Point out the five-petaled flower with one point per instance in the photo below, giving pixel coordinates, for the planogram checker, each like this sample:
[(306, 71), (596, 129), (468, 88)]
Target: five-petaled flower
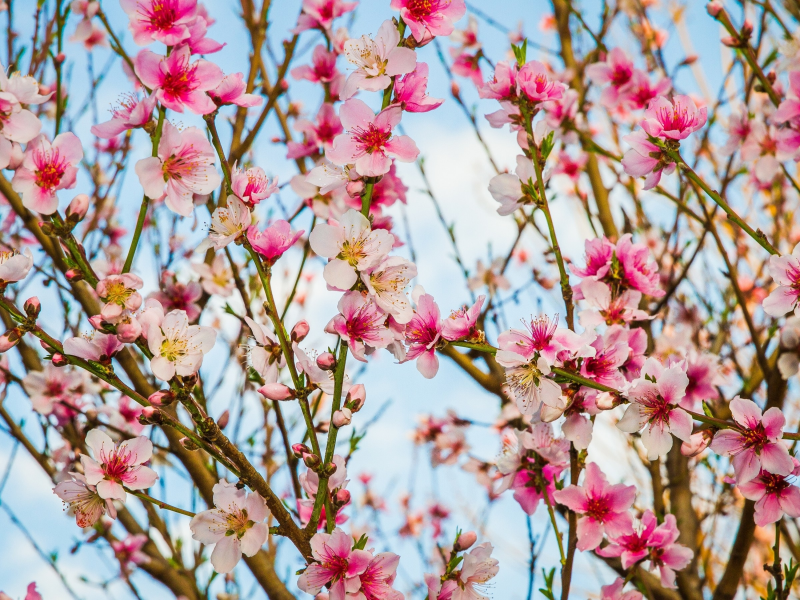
[(178, 348), (46, 169), (337, 564), (115, 466)]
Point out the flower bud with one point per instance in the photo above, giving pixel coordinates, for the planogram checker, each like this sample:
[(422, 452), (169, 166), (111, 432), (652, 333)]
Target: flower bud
[(276, 391), (326, 361), (342, 417), (46, 227), (152, 415), (356, 397), (32, 307), (300, 450), (354, 188), (729, 41), (697, 443), (342, 497), (161, 398), (74, 275), (189, 444), (714, 8), (455, 89), (606, 401), (223, 419), (96, 321), (747, 29), (300, 331), (465, 541), (59, 360), (9, 339), (129, 331), (328, 470), (312, 461), (78, 208)]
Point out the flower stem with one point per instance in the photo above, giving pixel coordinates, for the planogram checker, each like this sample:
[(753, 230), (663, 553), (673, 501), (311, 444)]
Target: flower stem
[(366, 198), (555, 525), (159, 503)]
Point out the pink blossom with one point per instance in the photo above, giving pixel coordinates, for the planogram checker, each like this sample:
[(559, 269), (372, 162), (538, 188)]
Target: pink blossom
[(503, 86), (604, 507), (604, 367), (361, 323), (673, 120), (130, 114), (377, 578), (571, 167), (322, 70), (319, 14), (789, 109), (165, 21), (252, 185), (232, 90), (620, 310), (119, 294), (129, 551), (14, 265), (639, 161), (599, 254), (766, 147), (612, 76), (387, 282), (197, 41), (184, 167), (369, 143), (322, 133), (18, 124), (774, 496), (467, 38), (467, 65), (55, 390), (654, 404), (46, 169), (430, 18), (739, 127), (536, 82), (100, 347), (83, 500), (703, 371), (544, 338), (614, 592), (640, 91), (235, 525), (785, 270), (462, 323), (116, 465), (422, 333), (377, 60), (478, 568), (177, 347), (410, 91), (757, 444), (216, 278), (177, 83), (514, 191), (336, 564), (175, 295), (266, 356), (228, 223)]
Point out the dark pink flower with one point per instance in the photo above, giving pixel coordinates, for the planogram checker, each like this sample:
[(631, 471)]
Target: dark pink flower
[(645, 159), (322, 69), (430, 18), (129, 551), (361, 323), (165, 21), (274, 241), (544, 338), (614, 592), (461, 323), (252, 185), (422, 334), (319, 14), (604, 366), (175, 295), (774, 496), (503, 86), (410, 91), (467, 65), (640, 273), (231, 90), (316, 134), (785, 270), (537, 83), (673, 120), (336, 563), (116, 465), (612, 76), (639, 91), (131, 113)]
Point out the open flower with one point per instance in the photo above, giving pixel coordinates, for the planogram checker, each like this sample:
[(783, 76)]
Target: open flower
[(14, 266), (164, 21), (130, 114), (100, 347), (604, 507), (216, 278), (368, 142), (274, 241), (758, 444), (235, 525), (252, 185), (266, 355), (613, 76), (537, 83), (614, 591), (422, 334), (604, 309), (319, 14), (410, 91), (785, 270), (387, 282), (774, 496), (461, 323), (228, 223), (352, 245), (361, 323), (336, 563), (119, 294), (184, 167), (513, 191), (177, 347), (232, 90), (674, 120), (176, 82), (377, 60), (114, 466), (83, 500), (46, 169), (430, 18), (645, 159)]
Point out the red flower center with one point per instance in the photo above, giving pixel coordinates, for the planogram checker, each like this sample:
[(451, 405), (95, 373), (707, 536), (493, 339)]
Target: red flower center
[(51, 171), (116, 465), (774, 484), (371, 139), (597, 508), (180, 83), (163, 15), (420, 9)]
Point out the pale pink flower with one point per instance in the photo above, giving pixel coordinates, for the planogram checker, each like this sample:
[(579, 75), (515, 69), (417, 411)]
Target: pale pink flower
[(528, 382), (410, 91), (115, 466), (515, 191), (604, 508), (757, 444), (477, 569), (614, 591), (119, 294), (321, 70), (674, 120), (537, 83), (785, 270), (387, 282), (15, 266), (266, 356), (177, 83), (184, 167), (612, 76), (639, 161), (640, 91), (503, 86), (175, 295), (319, 14), (53, 387), (46, 169), (314, 374), (377, 60), (24, 88), (466, 38), (336, 563), (228, 223), (129, 551), (544, 338), (765, 148), (490, 276), (377, 578), (461, 323), (352, 246), (252, 185), (316, 134), (131, 113), (216, 278), (100, 347), (620, 310), (232, 90), (83, 501), (738, 128), (369, 143), (654, 405), (177, 347), (164, 21), (422, 333), (774, 496), (430, 18), (789, 109), (17, 124), (235, 525), (274, 241), (361, 323)]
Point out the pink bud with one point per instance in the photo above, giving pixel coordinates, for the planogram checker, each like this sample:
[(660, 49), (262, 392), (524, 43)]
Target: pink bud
[(312, 461), (73, 275), (342, 497), (189, 444), (60, 58), (32, 307), (223, 419), (326, 361), (354, 188), (149, 411), (96, 321), (9, 339), (300, 331), (342, 417), (300, 450), (455, 89), (465, 540), (606, 401), (276, 391), (78, 208), (59, 360), (161, 398), (729, 41), (714, 8), (747, 28), (697, 443), (356, 397), (129, 331)]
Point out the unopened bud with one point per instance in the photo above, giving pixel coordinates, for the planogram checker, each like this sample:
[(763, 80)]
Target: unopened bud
[(59, 360), (697, 443), (129, 331), (46, 227), (355, 188), (9, 339), (729, 41), (714, 8), (152, 415), (607, 401), (300, 331), (312, 461), (78, 208), (328, 470), (73, 275), (276, 391), (32, 307), (161, 398), (189, 444), (300, 450), (455, 89), (97, 322), (326, 361), (747, 29), (60, 58), (342, 417), (356, 397), (342, 497), (465, 541), (223, 419)]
